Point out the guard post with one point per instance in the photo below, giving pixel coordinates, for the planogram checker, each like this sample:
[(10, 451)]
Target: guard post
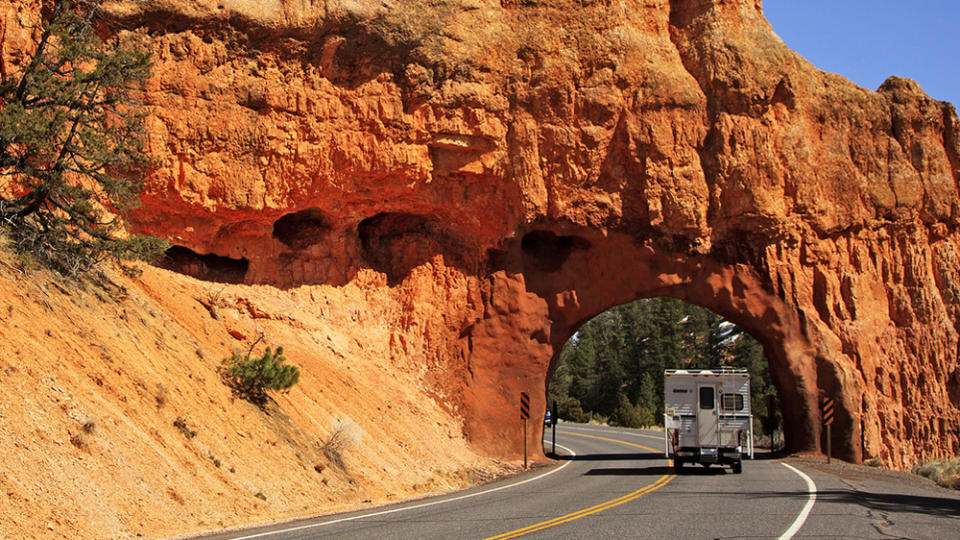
[(524, 415), (553, 425), (827, 411)]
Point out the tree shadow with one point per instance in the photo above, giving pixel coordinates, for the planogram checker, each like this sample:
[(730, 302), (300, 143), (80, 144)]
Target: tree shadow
[(613, 457), (881, 502), (630, 471), (892, 502)]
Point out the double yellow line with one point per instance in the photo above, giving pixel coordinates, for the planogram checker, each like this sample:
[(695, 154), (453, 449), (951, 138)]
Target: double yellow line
[(662, 481)]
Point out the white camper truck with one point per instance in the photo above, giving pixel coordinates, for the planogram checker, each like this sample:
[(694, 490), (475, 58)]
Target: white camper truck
[(707, 416)]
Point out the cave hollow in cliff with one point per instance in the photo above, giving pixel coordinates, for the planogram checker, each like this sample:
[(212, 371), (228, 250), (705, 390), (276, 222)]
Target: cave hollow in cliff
[(300, 230), (208, 267), (396, 242)]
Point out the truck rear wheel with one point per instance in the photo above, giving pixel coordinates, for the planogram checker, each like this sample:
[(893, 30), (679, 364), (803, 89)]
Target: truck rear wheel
[(738, 467)]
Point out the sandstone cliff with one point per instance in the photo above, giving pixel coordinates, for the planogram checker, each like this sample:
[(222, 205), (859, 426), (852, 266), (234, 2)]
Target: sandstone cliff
[(591, 153), (556, 158)]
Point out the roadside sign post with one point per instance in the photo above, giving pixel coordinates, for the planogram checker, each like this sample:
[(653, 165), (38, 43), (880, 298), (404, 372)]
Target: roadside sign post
[(524, 415), (827, 409), (769, 424), (553, 424)]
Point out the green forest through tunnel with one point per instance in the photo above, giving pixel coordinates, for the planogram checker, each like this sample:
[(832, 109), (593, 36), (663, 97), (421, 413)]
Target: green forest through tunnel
[(611, 369)]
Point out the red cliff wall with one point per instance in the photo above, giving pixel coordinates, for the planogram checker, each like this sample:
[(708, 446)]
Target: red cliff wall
[(562, 158)]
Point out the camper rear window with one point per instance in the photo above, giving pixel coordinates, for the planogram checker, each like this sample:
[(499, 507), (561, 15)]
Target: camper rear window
[(732, 402)]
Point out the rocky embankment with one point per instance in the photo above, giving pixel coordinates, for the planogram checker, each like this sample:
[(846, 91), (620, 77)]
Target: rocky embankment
[(114, 422)]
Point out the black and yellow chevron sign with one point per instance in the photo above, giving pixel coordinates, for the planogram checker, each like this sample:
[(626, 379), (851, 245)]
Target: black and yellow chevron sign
[(524, 405), (827, 409)]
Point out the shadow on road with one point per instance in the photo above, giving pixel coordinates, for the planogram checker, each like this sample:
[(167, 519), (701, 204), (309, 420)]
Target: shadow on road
[(630, 471), (884, 502), (610, 457), (657, 471), (700, 470)]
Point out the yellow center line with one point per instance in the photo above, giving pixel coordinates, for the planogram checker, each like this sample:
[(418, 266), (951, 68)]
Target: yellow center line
[(659, 483)]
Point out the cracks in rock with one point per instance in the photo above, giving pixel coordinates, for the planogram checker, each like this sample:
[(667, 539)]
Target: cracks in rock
[(879, 519), (900, 133), (951, 139), (682, 14)]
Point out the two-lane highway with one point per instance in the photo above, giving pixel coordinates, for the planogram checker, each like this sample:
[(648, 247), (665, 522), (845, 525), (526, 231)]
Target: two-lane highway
[(615, 483)]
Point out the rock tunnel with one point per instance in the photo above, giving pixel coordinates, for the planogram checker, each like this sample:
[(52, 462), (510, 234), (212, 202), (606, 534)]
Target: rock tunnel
[(550, 283), (561, 280)]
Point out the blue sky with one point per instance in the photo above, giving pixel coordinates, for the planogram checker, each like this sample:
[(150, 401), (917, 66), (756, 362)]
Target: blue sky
[(867, 41)]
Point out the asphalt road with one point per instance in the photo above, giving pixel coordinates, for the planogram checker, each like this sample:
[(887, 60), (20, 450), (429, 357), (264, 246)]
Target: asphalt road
[(615, 483)]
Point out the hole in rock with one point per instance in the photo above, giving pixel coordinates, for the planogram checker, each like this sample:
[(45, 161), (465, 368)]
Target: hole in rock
[(547, 252), (209, 267), (497, 259), (303, 229), (612, 368), (396, 242)]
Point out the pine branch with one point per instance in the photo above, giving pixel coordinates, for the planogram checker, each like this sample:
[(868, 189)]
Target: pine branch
[(68, 138)]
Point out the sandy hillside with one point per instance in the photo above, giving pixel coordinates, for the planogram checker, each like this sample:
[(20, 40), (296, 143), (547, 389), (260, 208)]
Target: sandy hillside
[(114, 422)]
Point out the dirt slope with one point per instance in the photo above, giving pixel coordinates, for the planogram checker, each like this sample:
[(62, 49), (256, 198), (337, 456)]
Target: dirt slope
[(95, 377)]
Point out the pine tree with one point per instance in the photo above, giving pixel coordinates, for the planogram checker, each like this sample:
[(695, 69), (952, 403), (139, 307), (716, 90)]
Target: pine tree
[(71, 144), (251, 377), (625, 413), (649, 402)]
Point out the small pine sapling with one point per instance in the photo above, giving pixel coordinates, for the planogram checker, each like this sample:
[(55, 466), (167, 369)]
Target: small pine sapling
[(251, 377)]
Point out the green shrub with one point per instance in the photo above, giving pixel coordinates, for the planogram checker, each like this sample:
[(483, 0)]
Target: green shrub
[(251, 377), (571, 410)]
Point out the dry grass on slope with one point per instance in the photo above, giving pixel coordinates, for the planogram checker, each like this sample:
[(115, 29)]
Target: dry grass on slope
[(114, 422), (945, 472)]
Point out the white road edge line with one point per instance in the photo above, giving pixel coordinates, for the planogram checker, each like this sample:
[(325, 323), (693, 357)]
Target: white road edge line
[(405, 508), (802, 517)]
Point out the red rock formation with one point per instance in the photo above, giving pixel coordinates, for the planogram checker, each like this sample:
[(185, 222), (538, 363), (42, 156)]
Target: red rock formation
[(563, 158)]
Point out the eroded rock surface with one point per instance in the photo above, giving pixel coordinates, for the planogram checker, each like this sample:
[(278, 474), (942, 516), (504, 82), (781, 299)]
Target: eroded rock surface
[(559, 158)]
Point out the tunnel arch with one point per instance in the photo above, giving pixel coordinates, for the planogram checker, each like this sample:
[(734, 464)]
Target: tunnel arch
[(607, 269), (734, 297)]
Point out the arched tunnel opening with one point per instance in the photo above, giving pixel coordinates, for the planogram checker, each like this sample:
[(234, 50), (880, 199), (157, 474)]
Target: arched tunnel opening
[(611, 371)]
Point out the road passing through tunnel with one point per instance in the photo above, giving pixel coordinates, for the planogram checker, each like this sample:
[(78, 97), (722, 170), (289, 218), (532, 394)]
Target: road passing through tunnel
[(616, 483)]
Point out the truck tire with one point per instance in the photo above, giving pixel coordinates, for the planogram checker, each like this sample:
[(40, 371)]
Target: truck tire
[(738, 467), (677, 466)]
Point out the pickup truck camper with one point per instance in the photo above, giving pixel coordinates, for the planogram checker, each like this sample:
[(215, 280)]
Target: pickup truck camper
[(707, 417)]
